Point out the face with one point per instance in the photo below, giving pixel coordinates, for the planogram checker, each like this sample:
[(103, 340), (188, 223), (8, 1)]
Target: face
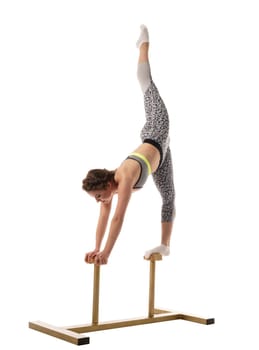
[(104, 196)]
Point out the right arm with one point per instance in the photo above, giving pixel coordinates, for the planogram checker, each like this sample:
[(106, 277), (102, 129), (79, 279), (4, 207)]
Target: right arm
[(105, 209)]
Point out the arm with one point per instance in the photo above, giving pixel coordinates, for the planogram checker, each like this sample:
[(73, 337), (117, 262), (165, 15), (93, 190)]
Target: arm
[(124, 194), (105, 209)]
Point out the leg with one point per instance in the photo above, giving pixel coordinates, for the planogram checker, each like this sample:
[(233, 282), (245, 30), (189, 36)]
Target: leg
[(163, 179), (143, 71), (156, 129), (143, 37)]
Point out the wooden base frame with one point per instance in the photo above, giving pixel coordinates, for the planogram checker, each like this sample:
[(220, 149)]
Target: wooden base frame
[(78, 334)]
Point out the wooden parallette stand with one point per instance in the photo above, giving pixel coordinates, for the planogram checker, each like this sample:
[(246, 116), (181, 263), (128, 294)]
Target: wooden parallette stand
[(78, 334)]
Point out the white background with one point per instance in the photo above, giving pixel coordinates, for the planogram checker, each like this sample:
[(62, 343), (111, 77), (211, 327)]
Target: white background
[(70, 101)]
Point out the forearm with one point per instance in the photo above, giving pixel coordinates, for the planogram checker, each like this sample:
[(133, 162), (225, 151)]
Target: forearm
[(101, 226), (115, 229), (124, 193), (99, 238)]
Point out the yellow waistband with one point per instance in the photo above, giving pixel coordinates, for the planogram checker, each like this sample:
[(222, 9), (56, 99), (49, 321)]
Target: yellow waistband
[(144, 159)]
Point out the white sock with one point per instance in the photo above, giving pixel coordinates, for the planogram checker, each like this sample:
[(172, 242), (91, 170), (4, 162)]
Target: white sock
[(143, 37), (162, 249)]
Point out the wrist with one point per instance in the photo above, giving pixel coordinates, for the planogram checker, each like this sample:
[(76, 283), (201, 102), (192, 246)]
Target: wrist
[(107, 251), (97, 246)]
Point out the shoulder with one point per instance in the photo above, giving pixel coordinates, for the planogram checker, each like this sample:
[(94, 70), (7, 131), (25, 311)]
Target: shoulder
[(124, 172)]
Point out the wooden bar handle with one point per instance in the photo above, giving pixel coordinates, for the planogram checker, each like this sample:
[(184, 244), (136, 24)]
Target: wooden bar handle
[(154, 257)]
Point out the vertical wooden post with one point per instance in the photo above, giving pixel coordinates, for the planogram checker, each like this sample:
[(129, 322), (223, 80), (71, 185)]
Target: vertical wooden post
[(151, 304), (95, 316), (152, 274)]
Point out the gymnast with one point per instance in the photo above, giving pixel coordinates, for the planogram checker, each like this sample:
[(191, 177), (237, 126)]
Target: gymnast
[(153, 156)]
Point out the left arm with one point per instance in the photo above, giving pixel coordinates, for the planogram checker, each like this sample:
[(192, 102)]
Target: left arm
[(124, 194)]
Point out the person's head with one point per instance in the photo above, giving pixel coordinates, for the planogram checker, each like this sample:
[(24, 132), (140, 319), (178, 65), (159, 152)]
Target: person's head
[(100, 184)]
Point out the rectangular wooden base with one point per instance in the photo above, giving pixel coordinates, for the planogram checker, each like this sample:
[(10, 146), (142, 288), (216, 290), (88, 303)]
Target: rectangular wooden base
[(59, 332), (76, 334)]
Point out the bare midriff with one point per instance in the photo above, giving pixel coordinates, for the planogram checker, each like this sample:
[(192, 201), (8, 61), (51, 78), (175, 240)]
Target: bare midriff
[(151, 153)]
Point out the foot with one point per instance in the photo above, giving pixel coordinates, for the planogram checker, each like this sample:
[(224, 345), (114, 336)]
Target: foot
[(143, 37), (162, 249)]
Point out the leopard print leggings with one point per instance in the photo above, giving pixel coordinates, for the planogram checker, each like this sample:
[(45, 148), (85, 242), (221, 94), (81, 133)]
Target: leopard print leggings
[(156, 130)]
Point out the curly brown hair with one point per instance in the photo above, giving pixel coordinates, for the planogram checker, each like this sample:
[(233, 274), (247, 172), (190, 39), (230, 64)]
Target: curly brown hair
[(98, 179)]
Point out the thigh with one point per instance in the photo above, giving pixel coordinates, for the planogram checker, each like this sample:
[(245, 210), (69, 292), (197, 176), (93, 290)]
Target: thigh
[(163, 178), (156, 127)]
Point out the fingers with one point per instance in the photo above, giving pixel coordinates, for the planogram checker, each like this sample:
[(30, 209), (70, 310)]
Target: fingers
[(100, 259), (89, 257)]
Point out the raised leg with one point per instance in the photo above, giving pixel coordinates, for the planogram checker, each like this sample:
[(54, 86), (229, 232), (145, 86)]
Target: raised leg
[(143, 71)]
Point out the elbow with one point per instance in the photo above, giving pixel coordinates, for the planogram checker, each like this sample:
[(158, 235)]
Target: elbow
[(117, 219), (117, 222)]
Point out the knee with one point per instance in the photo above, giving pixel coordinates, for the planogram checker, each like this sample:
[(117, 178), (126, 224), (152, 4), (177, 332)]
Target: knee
[(168, 212)]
